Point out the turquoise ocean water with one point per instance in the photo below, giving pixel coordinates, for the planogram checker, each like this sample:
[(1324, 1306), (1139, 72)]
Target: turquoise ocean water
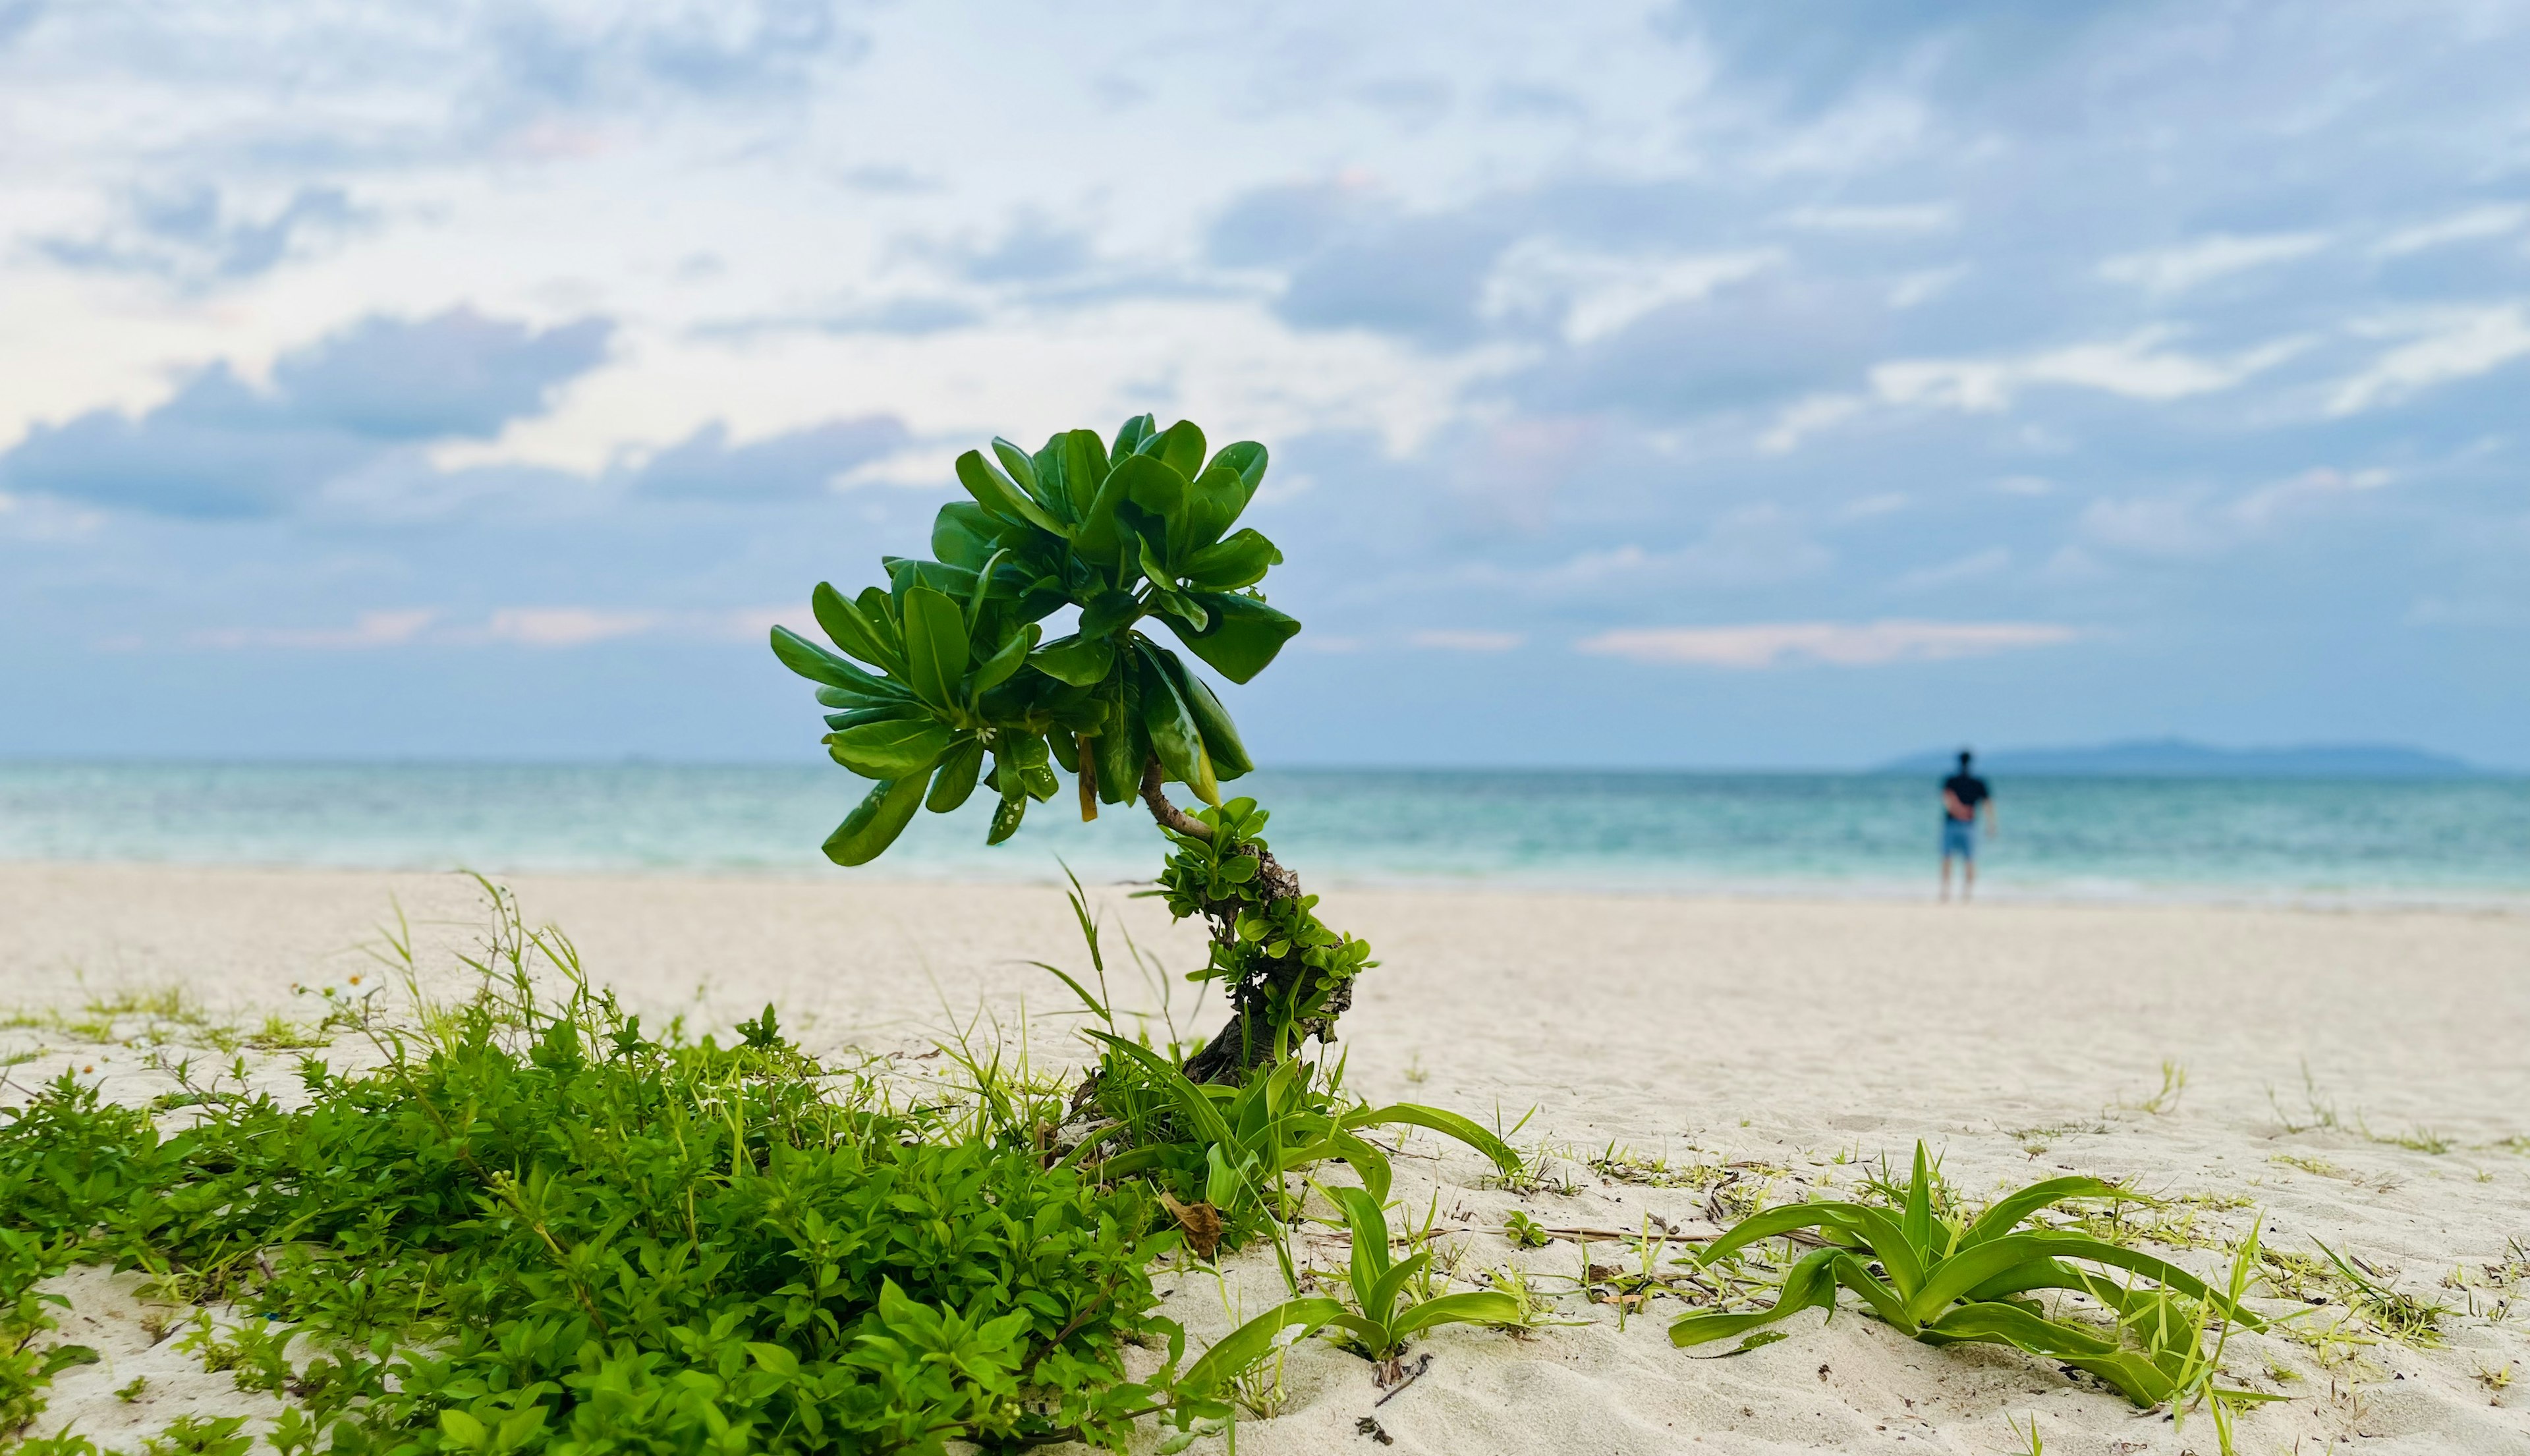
[(2462, 842)]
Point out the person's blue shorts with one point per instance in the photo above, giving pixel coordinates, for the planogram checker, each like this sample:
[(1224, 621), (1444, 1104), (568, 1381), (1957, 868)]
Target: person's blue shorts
[(1959, 836)]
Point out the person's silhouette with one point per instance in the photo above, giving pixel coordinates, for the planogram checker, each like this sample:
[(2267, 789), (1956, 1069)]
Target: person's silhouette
[(1961, 793)]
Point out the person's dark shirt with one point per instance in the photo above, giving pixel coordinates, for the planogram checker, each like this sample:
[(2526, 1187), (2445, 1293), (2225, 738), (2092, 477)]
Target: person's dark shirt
[(1968, 789)]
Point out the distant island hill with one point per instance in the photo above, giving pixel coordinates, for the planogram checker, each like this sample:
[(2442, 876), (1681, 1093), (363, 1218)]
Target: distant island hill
[(2178, 758)]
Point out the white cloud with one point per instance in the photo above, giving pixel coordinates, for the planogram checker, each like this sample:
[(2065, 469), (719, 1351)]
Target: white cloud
[(2137, 367), (532, 626), (918, 466), (370, 630), (1753, 546), (2071, 566), (1925, 217), (750, 623), (1924, 287), (1225, 362), (2171, 270), (2435, 611), (1597, 293), (1974, 566), (1842, 644), (2165, 526), (2262, 508), (2444, 344), (1465, 641), (1886, 503), (2189, 525), (2459, 227), (565, 626), (1805, 417)]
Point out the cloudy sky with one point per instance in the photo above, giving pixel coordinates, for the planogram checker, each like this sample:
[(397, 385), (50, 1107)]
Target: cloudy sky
[(1797, 384)]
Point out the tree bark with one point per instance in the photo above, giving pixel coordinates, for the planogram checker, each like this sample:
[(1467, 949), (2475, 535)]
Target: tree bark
[(1246, 1041)]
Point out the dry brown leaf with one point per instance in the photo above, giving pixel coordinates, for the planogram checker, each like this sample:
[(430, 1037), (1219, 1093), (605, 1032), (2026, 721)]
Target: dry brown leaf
[(1201, 1222)]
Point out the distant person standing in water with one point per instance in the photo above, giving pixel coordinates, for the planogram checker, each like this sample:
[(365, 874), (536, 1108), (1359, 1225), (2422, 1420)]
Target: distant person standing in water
[(1961, 793)]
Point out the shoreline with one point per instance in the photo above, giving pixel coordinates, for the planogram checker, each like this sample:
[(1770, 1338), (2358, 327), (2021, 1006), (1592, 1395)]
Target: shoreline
[(1822, 890)]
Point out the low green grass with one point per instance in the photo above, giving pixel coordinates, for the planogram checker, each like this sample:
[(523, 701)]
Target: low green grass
[(156, 1017)]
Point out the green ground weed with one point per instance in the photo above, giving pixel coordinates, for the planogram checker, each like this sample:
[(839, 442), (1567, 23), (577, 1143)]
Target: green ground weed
[(2173, 1086), (1524, 1231), (2371, 1294), (536, 1226)]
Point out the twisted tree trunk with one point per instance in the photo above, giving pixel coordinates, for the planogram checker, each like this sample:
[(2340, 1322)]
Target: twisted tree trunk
[(1247, 1042)]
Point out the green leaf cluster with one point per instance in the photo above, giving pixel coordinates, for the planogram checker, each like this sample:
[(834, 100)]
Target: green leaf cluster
[(26, 1258), (947, 663), (1945, 1280), (1257, 932)]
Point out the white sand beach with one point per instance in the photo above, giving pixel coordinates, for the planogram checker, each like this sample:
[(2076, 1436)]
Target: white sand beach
[(1759, 1049)]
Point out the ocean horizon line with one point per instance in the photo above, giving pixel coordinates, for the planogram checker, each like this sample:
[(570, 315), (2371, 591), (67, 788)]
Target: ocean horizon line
[(2472, 770)]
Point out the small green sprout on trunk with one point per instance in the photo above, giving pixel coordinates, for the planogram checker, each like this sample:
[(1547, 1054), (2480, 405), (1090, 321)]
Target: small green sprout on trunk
[(947, 664)]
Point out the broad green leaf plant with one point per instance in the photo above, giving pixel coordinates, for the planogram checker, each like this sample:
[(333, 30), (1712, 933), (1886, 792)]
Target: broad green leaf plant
[(947, 665), (1231, 1149), (1945, 1280), (1380, 1322)]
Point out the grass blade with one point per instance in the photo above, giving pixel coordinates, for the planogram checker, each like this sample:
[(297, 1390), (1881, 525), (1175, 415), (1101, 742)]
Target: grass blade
[(1808, 1286), (1448, 1124), (1252, 1342), (1481, 1307), (2007, 1213), (1772, 1222)]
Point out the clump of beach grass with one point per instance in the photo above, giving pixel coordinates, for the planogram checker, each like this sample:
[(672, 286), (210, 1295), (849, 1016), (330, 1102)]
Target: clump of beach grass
[(2316, 1113), (1931, 1272), (2173, 1086), (2372, 1294)]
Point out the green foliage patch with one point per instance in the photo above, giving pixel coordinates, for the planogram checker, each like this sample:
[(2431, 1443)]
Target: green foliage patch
[(536, 1227)]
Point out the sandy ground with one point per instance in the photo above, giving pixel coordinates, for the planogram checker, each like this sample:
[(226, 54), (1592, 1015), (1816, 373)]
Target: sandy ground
[(1773, 1045)]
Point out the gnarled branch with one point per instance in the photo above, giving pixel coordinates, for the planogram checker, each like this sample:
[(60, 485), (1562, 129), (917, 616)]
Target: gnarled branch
[(1169, 815), (1249, 1039)]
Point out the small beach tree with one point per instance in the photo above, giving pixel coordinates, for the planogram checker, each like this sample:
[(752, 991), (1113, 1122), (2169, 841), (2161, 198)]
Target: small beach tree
[(947, 665)]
